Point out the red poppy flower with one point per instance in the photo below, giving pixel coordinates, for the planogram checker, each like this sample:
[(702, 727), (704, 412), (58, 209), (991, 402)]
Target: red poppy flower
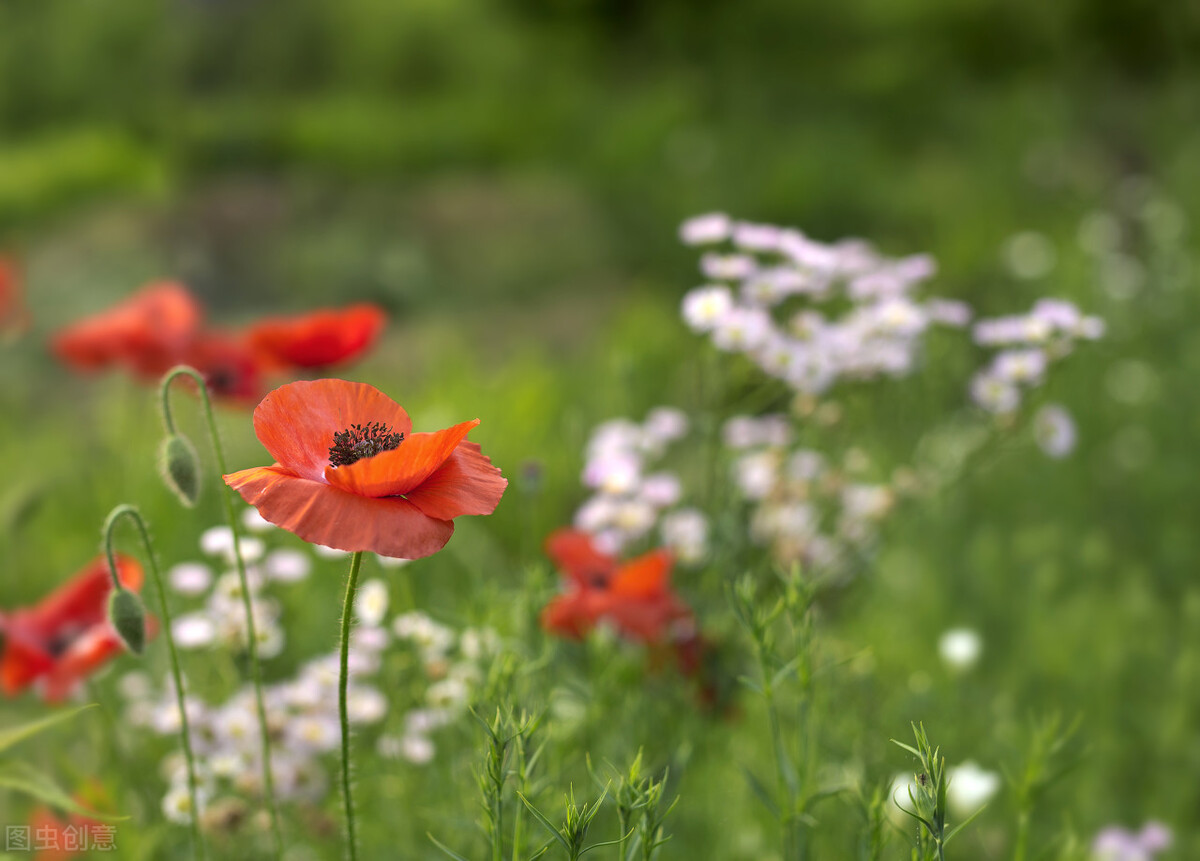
[(67, 635), (350, 474), (147, 333), (318, 339), (634, 596), (56, 838), (230, 368), (14, 317)]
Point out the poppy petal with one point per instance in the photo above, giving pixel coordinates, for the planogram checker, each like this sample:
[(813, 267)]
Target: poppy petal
[(318, 339), (86, 653), (21, 663), (296, 422), (81, 601), (322, 514), (403, 469), (148, 332), (575, 554), (466, 483), (574, 614), (643, 577)]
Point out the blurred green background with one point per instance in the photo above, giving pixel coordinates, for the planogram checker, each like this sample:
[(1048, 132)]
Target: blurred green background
[(507, 176)]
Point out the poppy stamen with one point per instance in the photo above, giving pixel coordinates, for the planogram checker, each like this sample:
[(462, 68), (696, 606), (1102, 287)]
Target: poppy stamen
[(360, 441)]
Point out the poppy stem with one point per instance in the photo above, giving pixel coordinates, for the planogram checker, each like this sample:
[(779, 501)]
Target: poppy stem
[(125, 510), (251, 632), (343, 682)]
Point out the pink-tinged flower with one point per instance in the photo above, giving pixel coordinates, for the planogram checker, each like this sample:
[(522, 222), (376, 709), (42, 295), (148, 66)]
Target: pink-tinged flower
[(1118, 844), (65, 637), (705, 307), (728, 267), (948, 312), (1020, 366), (994, 394), (1054, 431), (742, 330), (757, 237), (705, 229), (351, 475)]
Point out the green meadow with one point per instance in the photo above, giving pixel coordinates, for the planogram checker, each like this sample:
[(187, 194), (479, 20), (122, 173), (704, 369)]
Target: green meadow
[(506, 179)]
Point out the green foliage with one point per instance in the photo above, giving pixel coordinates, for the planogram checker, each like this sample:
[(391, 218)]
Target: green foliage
[(505, 177)]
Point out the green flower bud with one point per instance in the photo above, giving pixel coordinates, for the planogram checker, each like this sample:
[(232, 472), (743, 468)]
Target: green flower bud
[(180, 468), (126, 614)]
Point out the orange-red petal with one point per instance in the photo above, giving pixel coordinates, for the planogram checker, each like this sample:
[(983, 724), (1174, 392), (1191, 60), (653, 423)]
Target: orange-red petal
[(148, 332), (317, 339), (296, 422), (80, 602), (21, 663), (230, 368), (466, 483), (322, 514), (403, 469), (643, 577), (87, 653), (575, 554)]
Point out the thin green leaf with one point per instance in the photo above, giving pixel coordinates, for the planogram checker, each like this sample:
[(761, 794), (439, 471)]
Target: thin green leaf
[(449, 852), (909, 748), (546, 823), (962, 825), (22, 777), (588, 849), (784, 671), (542, 851), (751, 684), (761, 791), (15, 734)]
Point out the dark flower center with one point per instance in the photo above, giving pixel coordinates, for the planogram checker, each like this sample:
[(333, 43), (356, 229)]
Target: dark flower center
[(361, 441)]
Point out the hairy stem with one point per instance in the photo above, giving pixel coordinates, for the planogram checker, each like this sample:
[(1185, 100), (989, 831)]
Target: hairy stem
[(184, 731), (251, 633), (343, 684)]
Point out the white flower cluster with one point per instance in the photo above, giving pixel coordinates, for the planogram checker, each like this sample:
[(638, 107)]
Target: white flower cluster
[(1029, 343), (302, 711), (453, 665), (628, 500), (767, 284), (804, 508)]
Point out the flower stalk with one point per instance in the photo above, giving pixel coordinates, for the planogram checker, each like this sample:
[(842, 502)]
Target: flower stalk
[(130, 512), (251, 633), (343, 712)]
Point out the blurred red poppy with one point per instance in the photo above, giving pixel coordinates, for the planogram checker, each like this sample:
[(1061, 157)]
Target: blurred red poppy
[(230, 368), (53, 837), (66, 636), (635, 596), (318, 339), (147, 333), (161, 326), (14, 317), (56, 839), (351, 475)]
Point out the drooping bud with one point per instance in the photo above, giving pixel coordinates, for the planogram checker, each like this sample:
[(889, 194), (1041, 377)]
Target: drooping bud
[(128, 617), (180, 468)]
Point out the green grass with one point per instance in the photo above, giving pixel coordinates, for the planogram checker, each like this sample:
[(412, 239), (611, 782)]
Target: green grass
[(506, 179)]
